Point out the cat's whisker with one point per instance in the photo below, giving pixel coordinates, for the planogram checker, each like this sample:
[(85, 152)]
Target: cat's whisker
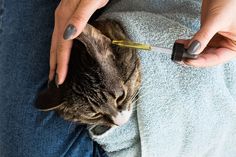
[(146, 85), (144, 93), (89, 127), (135, 95), (141, 96), (141, 87), (138, 92)]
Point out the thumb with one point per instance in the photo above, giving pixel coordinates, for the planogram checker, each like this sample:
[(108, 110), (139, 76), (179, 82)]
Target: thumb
[(201, 39), (79, 18)]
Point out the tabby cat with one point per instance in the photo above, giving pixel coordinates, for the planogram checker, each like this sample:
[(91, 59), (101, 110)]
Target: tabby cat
[(102, 79)]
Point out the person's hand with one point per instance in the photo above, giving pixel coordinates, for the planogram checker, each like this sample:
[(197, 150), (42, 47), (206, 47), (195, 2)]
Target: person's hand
[(216, 39), (71, 17)]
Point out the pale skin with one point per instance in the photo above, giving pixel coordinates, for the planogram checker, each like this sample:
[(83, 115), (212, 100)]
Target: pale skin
[(216, 37)]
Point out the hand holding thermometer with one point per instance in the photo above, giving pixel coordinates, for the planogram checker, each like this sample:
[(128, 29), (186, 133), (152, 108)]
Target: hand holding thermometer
[(178, 53)]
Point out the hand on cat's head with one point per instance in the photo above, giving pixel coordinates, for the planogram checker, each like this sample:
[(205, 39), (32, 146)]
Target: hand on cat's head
[(102, 79), (71, 17)]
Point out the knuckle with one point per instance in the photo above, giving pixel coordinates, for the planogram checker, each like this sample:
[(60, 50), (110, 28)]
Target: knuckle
[(58, 13), (79, 19), (52, 51), (60, 48), (203, 35)]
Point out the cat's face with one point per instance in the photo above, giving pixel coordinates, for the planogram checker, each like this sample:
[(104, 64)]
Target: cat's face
[(102, 79)]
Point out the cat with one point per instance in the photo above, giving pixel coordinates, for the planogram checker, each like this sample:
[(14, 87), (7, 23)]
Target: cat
[(102, 81)]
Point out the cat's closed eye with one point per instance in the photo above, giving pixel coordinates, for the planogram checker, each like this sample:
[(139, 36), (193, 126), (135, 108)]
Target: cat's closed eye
[(96, 115)]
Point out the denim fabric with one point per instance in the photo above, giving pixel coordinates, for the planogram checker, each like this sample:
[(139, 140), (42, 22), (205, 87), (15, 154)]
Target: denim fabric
[(25, 34)]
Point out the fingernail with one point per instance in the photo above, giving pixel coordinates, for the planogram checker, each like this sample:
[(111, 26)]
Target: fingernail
[(56, 80), (195, 45), (69, 32)]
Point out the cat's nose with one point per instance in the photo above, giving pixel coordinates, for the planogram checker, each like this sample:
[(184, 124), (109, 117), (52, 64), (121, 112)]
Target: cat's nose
[(120, 95), (122, 117)]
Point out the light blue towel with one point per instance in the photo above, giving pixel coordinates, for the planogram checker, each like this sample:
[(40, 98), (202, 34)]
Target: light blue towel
[(182, 111)]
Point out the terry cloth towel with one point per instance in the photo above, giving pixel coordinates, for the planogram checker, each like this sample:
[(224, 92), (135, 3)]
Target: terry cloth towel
[(181, 111)]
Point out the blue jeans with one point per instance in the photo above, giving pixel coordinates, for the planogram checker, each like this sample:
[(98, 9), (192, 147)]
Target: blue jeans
[(25, 35)]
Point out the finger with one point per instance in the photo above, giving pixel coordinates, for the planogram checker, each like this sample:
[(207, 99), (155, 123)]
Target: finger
[(211, 57), (204, 10), (79, 19), (229, 35), (200, 40), (53, 54), (183, 41), (62, 59)]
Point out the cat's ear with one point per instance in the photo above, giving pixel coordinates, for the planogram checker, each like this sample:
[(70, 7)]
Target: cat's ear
[(50, 98), (95, 42), (91, 34)]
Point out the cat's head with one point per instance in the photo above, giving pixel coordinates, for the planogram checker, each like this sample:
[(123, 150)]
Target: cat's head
[(102, 79)]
